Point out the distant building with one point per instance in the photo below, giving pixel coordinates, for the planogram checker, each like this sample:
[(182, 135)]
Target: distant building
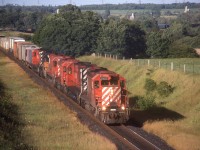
[(186, 9), (197, 51), (57, 11), (132, 17)]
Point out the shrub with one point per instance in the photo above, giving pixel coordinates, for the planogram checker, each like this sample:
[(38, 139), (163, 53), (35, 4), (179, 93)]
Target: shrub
[(150, 85), (181, 50), (146, 102), (164, 89)]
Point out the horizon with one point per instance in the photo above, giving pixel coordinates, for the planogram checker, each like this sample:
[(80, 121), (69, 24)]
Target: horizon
[(89, 2)]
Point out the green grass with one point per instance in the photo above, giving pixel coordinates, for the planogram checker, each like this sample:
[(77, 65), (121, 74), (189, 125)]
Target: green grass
[(177, 117), (11, 123), (187, 65), (46, 123)]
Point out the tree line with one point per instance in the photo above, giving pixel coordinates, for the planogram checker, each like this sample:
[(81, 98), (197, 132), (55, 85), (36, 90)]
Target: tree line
[(75, 32), (23, 18), (131, 6)]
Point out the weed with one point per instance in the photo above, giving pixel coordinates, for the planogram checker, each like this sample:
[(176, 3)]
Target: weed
[(150, 85), (146, 102), (164, 89)]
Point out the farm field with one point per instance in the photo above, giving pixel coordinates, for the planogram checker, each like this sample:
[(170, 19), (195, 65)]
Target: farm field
[(141, 11), (32, 118), (176, 119)]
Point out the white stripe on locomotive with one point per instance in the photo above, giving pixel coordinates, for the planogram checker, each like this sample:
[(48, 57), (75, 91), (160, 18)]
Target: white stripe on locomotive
[(110, 94), (83, 76)]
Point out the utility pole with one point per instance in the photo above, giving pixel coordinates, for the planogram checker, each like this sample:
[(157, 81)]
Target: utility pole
[(2, 2), (102, 2), (38, 2), (140, 2)]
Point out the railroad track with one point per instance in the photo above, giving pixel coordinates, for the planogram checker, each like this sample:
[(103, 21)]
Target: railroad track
[(123, 137), (140, 139)]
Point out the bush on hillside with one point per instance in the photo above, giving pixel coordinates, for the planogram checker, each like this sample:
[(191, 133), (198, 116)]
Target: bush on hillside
[(150, 85), (181, 50), (146, 102), (164, 89)]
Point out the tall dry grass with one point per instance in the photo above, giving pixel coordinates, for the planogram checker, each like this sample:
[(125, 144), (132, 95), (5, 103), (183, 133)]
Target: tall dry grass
[(49, 124)]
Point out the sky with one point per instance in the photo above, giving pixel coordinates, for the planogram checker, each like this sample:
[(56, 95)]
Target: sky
[(88, 2)]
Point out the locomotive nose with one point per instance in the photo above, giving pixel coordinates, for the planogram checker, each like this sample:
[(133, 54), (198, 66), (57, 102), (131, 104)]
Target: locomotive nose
[(113, 115)]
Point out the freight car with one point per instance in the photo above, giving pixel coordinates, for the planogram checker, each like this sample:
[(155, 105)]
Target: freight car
[(96, 89)]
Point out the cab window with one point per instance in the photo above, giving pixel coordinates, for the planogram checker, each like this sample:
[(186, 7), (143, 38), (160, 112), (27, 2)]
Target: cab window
[(122, 84), (54, 63), (96, 84), (114, 81), (69, 70), (104, 82), (34, 54)]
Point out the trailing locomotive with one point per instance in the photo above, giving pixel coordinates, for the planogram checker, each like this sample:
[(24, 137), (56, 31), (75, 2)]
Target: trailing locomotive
[(96, 89)]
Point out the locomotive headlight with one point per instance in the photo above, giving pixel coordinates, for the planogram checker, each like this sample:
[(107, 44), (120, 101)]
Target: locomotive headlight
[(104, 108), (123, 108)]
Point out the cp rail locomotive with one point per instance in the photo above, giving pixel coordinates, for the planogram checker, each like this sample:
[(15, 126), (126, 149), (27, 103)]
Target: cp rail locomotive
[(96, 89)]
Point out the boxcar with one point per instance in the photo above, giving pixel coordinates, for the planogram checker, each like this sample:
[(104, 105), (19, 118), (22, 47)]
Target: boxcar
[(11, 42)]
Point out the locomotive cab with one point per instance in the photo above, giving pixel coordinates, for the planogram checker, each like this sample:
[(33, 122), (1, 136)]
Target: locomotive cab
[(109, 96), (68, 74)]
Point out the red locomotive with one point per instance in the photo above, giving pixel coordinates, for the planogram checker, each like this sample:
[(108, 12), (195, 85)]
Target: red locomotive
[(96, 89)]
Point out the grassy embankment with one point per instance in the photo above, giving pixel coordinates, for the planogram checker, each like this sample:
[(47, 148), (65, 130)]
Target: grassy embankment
[(177, 117), (32, 118)]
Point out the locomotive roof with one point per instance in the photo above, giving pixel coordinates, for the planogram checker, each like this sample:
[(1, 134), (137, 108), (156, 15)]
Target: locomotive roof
[(84, 63), (23, 42), (16, 38), (32, 48), (100, 71), (68, 60)]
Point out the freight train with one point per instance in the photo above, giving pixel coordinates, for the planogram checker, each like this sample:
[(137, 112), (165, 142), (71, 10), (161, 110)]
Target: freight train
[(96, 89)]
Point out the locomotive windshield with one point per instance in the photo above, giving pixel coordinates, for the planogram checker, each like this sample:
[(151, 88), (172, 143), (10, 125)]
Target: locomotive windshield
[(111, 82), (114, 80), (104, 82)]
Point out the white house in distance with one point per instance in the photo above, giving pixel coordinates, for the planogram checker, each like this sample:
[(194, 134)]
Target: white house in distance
[(132, 17), (186, 9)]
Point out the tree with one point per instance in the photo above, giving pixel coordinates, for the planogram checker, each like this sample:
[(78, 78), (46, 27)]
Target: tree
[(121, 38), (157, 45), (71, 32), (180, 50)]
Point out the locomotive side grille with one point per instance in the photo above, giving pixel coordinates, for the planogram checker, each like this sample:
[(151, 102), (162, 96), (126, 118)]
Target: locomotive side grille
[(110, 94)]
